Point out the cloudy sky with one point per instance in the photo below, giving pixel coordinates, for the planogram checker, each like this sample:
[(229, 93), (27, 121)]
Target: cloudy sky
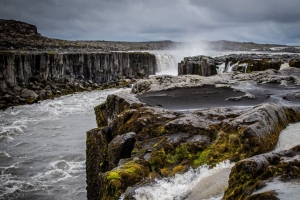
[(260, 21)]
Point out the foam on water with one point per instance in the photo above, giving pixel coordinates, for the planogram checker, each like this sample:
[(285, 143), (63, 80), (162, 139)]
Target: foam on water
[(3, 153), (42, 147), (289, 137), (179, 186)]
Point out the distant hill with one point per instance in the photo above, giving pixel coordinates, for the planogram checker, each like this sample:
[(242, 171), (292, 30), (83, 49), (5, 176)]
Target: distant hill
[(17, 35)]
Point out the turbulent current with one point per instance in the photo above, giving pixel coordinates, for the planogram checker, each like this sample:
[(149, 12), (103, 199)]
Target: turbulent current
[(42, 147)]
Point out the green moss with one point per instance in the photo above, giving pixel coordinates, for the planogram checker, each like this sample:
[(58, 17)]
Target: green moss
[(181, 153), (157, 160), (203, 158), (161, 130), (117, 180), (100, 119), (51, 53), (113, 175)]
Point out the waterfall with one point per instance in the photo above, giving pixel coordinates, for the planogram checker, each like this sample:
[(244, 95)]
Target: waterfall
[(165, 65)]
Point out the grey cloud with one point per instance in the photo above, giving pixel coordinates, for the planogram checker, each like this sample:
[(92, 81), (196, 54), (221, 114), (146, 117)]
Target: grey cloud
[(265, 21)]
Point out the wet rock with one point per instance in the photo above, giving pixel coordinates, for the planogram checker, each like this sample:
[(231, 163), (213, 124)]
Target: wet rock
[(245, 63), (165, 82), (249, 177), (7, 98), (171, 142), (121, 177), (96, 158), (120, 147), (29, 95), (17, 89), (202, 65)]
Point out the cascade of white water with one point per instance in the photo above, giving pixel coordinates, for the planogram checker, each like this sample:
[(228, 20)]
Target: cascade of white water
[(231, 66), (210, 183), (165, 65)]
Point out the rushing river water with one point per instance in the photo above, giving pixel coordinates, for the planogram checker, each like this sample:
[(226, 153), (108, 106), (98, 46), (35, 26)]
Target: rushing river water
[(42, 147)]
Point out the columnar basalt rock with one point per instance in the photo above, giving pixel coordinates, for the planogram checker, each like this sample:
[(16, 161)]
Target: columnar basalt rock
[(53, 74), (199, 65), (97, 67), (246, 63)]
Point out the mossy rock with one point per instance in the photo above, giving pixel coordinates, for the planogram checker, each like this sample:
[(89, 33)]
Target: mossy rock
[(247, 175), (96, 158), (253, 133), (261, 65), (117, 180)]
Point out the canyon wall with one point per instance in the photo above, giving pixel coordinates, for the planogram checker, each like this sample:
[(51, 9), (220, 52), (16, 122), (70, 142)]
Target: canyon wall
[(96, 67), (30, 77)]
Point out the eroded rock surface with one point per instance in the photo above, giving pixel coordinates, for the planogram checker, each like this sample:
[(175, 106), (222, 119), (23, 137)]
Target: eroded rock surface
[(256, 177), (170, 142)]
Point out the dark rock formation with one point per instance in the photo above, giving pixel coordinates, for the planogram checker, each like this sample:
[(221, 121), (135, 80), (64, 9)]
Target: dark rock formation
[(251, 175), (169, 142), (201, 65), (45, 75), (246, 63)]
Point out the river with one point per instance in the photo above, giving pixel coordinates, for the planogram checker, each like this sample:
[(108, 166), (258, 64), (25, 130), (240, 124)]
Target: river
[(42, 147)]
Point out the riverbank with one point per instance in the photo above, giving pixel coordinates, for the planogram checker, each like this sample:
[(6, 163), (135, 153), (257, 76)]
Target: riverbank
[(31, 77)]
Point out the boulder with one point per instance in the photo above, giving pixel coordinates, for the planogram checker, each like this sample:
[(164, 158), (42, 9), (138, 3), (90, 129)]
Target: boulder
[(120, 147), (256, 177), (29, 95)]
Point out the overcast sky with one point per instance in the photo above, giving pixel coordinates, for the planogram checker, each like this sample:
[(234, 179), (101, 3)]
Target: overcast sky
[(260, 21)]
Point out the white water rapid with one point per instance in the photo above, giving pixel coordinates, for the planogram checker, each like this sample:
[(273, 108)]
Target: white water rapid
[(200, 183), (205, 183), (42, 147)]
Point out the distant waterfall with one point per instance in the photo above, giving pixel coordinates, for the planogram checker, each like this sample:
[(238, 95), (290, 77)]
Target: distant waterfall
[(166, 65)]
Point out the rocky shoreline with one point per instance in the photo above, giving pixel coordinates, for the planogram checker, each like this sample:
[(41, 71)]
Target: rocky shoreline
[(136, 142), (27, 78)]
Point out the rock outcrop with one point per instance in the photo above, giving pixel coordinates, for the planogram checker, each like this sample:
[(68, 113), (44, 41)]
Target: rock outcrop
[(50, 74), (199, 65), (246, 63), (249, 177), (167, 142)]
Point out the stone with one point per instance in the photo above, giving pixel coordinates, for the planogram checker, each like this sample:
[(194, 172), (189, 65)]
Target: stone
[(26, 93), (248, 177), (120, 147)]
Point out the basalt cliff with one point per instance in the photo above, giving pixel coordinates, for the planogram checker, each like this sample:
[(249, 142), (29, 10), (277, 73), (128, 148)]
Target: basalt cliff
[(30, 77)]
